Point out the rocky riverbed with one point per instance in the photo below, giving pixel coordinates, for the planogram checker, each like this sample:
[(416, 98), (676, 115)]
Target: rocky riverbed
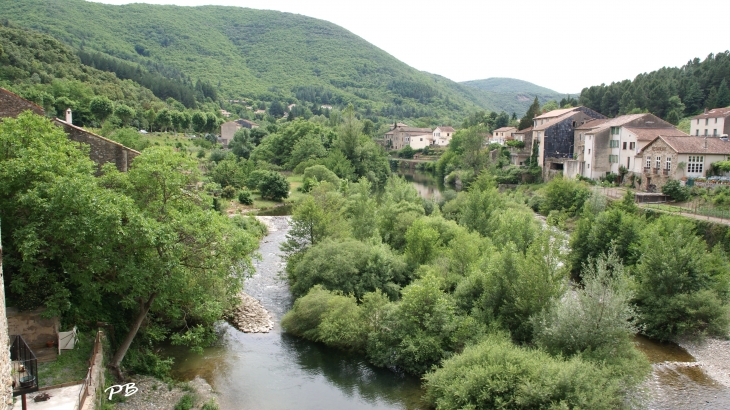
[(153, 394), (250, 316), (713, 355)]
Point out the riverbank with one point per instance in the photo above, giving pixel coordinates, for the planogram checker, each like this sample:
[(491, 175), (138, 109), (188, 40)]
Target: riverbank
[(154, 394), (250, 316), (713, 356)]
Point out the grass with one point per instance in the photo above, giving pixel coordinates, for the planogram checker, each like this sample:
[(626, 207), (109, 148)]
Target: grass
[(70, 366), (700, 210)]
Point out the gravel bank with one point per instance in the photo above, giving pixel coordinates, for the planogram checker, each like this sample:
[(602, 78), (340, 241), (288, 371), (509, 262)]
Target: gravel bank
[(154, 394), (714, 357), (250, 316)]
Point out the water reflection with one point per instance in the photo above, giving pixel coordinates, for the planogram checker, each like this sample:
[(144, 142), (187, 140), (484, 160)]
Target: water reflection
[(427, 185), (278, 371)]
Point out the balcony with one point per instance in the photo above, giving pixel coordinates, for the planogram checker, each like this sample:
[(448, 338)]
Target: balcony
[(24, 367), (647, 170), (665, 172), (656, 171)]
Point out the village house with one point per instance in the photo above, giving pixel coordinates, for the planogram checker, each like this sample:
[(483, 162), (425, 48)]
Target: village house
[(519, 156), (400, 136), (603, 146), (229, 128), (667, 158), (500, 135), (442, 136), (715, 123), (553, 132)]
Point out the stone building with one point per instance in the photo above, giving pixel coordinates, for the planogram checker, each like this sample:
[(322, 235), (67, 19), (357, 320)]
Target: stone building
[(102, 150), (400, 136), (519, 156), (603, 146), (667, 158), (554, 134), (229, 128), (11, 105), (500, 135), (6, 378)]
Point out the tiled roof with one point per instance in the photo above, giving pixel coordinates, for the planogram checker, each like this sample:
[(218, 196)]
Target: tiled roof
[(447, 129), (63, 123), (695, 145), (410, 129), (592, 124), (525, 131), (648, 134), (616, 122), (12, 94), (556, 113), (504, 129), (714, 113), (555, 120)]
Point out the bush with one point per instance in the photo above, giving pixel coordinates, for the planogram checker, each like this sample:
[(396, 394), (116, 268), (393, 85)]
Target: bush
[(228, 192), (274, 186), (186, 402), (564, 194), (245, 197), (497, 374), (515, 144), (407, 152), (676, 191)]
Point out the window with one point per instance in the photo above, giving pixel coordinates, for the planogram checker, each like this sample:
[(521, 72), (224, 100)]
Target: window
[(589, 165), (695, 164), (614, 130), (581, 137), (705, 131), (658, 162), (421, 139), (669, 163), (698, 121), (707, 121), (715, 120), (648, 162), (613, 144), (632, 145), (628, 163), (624, 146), (589, 151), (613, 159), (697, 132), (714, 132)]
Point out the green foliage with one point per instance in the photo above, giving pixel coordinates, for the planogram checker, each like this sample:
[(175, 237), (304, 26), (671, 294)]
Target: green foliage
[(130, 137), (676, 191), (315, 218), (316, 174), (676, 292), (228, 192), (186, 402), (245, 197), (497, 374), (406, 152), (274, 186), (101, 108), (564, 194), (596, 317), (348, 266)]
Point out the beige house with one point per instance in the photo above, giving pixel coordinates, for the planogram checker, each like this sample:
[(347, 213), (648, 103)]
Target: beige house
[(400, 136), (442, 136), (714, 123), (421, 141), (228, 129), (603, 146), (667, 158), (518, 156), (500, 135)]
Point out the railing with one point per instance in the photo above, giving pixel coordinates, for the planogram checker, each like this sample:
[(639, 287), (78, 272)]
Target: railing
[(647, 170), (24, 367), (84, 392), (656, 171), (665, 172)]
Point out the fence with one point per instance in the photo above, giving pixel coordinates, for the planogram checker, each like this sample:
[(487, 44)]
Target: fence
[(91, 384)]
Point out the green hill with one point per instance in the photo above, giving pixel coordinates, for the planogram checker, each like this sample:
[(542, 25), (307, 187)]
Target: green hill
[(251, 54), (511, 95)]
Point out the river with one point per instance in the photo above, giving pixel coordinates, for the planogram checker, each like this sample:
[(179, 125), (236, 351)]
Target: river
[(276, 371)]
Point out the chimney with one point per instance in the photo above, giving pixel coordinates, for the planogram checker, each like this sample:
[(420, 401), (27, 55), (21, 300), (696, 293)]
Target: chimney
[(706, 110), (69, 117), (705, 142)]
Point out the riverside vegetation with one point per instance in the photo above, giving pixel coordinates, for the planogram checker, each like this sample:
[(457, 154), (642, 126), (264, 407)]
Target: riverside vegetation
[(475, 296)]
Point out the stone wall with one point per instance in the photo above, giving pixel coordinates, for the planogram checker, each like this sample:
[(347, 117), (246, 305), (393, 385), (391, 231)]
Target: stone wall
[(102, 150), (6, 379), (36, 331), (11, 105)]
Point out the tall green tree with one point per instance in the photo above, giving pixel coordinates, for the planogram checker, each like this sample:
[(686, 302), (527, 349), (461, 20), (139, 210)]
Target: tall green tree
[(101, 107), (532, 111)]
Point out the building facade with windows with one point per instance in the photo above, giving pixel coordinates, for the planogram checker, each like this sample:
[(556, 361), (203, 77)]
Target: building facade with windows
[(605, 146), (711, 123), (667, 158)]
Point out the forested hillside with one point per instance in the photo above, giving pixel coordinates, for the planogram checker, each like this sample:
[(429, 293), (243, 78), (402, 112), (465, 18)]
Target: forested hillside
[(686, 90), (249, 54), (510, 94)]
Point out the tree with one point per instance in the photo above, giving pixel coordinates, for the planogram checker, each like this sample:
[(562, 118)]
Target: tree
[(276, 109), (273, 186), (163, 119), (124, 113), (534, 110), (241, 144), (723, 95), (199, 120), (101, 107)]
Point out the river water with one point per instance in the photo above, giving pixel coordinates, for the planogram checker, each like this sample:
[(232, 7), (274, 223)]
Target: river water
[(276, 371)]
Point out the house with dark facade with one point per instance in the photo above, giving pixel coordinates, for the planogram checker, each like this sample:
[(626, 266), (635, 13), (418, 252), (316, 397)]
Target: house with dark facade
[(554, 133)]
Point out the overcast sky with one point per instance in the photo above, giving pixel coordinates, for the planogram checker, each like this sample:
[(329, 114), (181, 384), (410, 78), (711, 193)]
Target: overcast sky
[(563, 45)]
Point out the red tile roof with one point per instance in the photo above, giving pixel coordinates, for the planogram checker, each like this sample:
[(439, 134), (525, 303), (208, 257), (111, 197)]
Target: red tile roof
[(649, 134), (695, 145), (714, 113)]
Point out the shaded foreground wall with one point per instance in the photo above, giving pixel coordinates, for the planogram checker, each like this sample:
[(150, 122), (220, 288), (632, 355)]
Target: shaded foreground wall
[(102, 150)]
